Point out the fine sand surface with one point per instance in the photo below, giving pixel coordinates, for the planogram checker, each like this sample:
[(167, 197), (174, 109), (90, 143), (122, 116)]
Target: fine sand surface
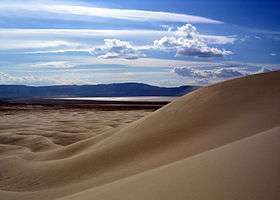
[(219, 142), (39, 128)]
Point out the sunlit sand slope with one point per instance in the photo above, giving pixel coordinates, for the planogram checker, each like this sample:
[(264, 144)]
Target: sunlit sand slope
[(246, 169)]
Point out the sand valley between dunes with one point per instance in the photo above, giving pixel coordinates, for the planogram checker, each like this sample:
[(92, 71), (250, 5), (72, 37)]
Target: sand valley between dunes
[(220, 142)]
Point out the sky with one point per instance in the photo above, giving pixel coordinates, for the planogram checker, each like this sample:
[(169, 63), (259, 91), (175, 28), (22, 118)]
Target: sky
[(164, 42)]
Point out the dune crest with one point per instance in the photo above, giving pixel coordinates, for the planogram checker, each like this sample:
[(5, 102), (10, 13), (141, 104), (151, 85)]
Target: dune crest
[(196, 124)]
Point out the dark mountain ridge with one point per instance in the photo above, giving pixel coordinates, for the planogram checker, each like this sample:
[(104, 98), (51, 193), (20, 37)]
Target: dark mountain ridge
[(100, 90)]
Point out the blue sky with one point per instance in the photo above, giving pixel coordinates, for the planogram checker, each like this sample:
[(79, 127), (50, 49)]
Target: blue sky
[(165, 43)]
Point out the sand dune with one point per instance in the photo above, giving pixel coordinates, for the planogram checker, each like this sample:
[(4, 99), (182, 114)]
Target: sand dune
[(219, 134), (238, 170)]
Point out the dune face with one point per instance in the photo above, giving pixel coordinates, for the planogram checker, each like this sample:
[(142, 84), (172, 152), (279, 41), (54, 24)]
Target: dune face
[(234, 171), (219, 142)]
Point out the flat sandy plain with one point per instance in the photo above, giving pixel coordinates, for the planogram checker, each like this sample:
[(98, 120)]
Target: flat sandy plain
[(220, 142), (41, 128)]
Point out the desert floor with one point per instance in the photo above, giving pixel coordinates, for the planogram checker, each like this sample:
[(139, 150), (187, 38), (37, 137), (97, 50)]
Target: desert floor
[(40, 128)]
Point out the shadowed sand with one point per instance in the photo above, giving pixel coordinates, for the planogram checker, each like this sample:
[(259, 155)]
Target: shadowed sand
[(219, 142)]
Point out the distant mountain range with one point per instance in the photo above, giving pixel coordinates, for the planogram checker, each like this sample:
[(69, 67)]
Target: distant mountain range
[(100, 90)]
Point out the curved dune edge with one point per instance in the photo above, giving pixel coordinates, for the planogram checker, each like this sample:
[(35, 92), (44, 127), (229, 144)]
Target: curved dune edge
[(203, 120), (246, 169)]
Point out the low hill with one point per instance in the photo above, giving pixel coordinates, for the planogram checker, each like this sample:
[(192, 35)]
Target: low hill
[(101, 90)]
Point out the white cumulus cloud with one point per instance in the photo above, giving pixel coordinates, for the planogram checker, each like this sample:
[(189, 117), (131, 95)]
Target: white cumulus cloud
[(188, 42), (115, 48)]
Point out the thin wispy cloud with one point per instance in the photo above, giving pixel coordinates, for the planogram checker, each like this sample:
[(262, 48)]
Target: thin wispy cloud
[(167, 63), (30, 79), (59, 51), (16, 32), (124, 14), (204, 74), (54, 65), (31, 44)]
